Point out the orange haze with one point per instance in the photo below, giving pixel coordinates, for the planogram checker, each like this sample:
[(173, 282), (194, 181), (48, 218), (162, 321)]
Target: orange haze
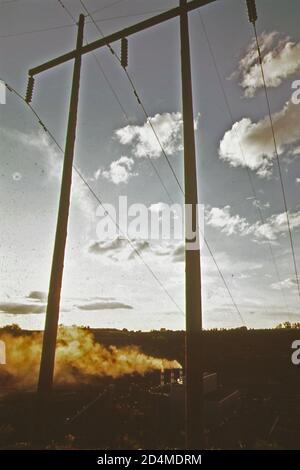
[(79, 358)]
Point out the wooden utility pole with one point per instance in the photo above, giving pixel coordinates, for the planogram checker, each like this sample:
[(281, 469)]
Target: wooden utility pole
[(194, 356), (193, 350), (52, 313)]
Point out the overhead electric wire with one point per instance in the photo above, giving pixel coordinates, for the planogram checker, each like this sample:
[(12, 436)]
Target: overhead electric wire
[(67, 10), (7, 2), (165, 155), (55, 28), (136, 250), (133, 15), (277, 157), (137, 97), (121, 106), (98, 64), (225, 283), (108, 6), (262, 219), (96, 196), (32, 31)]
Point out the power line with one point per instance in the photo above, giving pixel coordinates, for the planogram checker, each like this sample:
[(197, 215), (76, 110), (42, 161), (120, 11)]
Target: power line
[(108, 6), (148, 118), (55, 28), (67, 10), (162, 149), (242, 151), (154, 131), (85, 182), (7, 2), (98, 199), (23, 33), (133, 15), (225, 283), (98, 64), (138, 99), (277, 156), (120, 104)]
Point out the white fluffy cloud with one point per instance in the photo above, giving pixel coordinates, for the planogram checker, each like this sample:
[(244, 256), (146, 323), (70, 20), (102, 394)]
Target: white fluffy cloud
[(143, 141), (222, 219), (120, 171), (251, 144), (288, 283), (281, 58), (274, 226), (121, 249)]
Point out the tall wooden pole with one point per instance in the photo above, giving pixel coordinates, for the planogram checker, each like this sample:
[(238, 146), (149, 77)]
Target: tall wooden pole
[(194, 356), (52, 313)]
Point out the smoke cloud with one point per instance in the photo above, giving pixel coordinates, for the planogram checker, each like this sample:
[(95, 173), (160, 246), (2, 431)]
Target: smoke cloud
[(79, 359)]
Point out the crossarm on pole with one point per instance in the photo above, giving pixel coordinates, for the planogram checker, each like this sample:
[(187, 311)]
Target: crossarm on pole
[(138, 27)]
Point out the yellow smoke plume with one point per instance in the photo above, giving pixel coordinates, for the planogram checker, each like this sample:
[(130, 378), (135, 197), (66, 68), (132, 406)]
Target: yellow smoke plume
[(79, 358)]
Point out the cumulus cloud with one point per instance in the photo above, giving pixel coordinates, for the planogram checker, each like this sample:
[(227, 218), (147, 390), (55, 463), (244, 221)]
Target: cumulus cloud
[(280, 57), (139, 246), (104, 306), (143, 141), (296, 150), (260, 205), (120, 249), (250, 144), (108, 246), (278, 223), (222, 219), (120, 171), (288, 283), (273, 227)]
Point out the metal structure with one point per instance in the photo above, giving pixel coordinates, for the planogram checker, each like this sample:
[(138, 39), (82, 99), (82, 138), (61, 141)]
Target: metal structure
[(194, 356)]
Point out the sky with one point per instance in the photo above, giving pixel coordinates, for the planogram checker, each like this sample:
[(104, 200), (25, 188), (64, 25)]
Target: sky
[(106, 284)]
